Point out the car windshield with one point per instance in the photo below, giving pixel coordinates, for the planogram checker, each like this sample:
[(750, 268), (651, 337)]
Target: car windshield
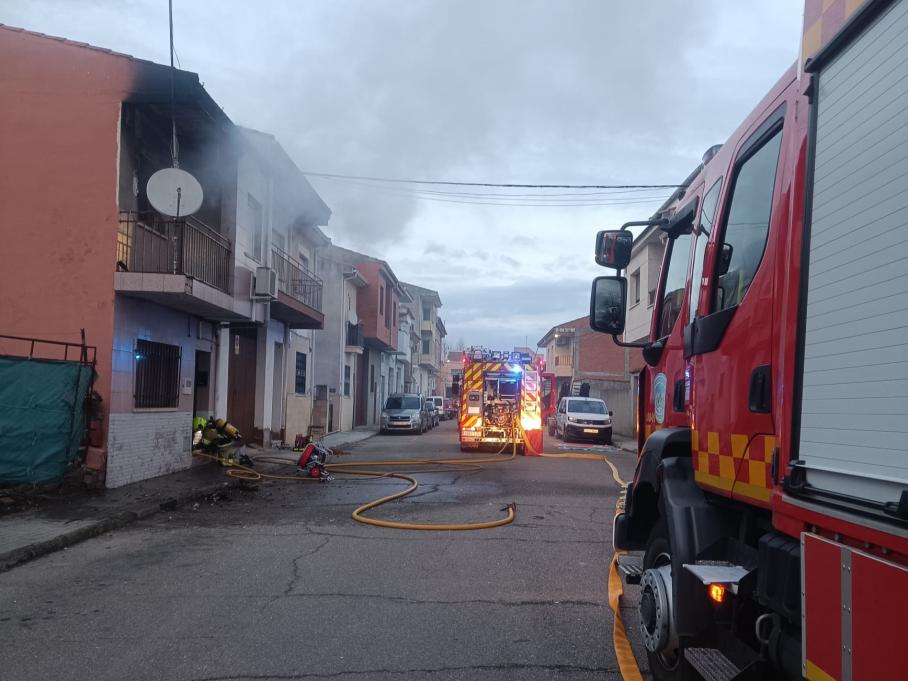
[(586, 406), (402, 402)]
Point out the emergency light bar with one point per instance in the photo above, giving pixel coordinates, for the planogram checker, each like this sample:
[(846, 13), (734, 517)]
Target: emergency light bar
[(481, 355)]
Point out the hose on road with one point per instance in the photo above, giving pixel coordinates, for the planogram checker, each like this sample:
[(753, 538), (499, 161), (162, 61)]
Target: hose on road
[(238, 471)]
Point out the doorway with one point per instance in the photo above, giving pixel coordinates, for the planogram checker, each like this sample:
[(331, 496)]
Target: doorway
[(201, 397), (241, 383)]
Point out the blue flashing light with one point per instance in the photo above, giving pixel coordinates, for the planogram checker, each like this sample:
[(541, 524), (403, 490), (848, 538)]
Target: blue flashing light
[(139, 356), (518, 368)]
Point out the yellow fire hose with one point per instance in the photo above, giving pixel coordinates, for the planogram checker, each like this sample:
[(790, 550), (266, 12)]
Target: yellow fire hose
[(238, 471), (624, 654)]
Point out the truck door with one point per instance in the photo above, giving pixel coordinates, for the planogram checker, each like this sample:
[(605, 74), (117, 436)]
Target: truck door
[(729, 340), (666, 395)]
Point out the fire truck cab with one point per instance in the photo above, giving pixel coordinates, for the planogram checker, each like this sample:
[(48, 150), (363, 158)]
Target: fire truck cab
[(770, 498)]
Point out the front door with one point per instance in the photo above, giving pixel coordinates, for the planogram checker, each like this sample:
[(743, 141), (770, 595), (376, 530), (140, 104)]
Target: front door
[(731, 338), (241, 382), (202, 384)]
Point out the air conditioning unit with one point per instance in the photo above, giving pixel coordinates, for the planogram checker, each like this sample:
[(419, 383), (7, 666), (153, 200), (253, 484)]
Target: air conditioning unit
[(265, 285)]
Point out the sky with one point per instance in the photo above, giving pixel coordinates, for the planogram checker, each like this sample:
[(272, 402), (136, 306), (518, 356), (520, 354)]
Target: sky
[(502, 91)]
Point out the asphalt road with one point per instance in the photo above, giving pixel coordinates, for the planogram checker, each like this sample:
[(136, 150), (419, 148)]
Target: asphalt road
[(278, 582)]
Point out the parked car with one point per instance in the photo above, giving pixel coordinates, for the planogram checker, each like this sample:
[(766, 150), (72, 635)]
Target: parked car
[(404, 412), (439, 403), (583, 418), (450, 409), (432, 412)]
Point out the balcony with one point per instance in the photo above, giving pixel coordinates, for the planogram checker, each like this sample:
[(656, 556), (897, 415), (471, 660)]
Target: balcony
[(299, 293), (354, 339), (563, 367), (177, 262), (428, 361)]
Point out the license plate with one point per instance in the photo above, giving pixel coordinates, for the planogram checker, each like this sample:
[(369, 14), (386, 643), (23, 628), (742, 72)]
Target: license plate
[(590, 430)]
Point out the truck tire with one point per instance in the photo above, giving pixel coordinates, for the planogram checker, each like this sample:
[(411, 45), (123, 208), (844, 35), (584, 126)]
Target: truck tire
[(665, 666)]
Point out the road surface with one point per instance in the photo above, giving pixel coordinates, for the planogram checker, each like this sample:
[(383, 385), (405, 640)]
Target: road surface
[(279, 583)]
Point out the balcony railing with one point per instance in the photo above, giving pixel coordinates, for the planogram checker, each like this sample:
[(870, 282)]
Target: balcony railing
[(355, 335), (154, 243), (295, 280)]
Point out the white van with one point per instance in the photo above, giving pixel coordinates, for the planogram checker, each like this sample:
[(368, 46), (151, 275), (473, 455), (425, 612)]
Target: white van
[(583, 418)]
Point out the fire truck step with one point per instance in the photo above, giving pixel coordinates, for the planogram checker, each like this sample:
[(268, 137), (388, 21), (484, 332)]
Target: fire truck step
[(711, 664), (631, 567)]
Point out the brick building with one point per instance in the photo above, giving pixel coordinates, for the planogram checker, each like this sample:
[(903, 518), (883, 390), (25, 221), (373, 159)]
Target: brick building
[(574, 352)]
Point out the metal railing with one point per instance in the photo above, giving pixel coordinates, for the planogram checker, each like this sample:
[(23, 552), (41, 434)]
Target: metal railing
[(154, 243), (355, 334), (295, 280)]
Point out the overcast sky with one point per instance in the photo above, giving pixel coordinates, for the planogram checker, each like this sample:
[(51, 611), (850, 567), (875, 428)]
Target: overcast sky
[(556, 92)]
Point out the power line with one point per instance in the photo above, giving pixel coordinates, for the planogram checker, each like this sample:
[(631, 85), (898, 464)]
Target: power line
[(512, 200), (491, 184), (614, 193)]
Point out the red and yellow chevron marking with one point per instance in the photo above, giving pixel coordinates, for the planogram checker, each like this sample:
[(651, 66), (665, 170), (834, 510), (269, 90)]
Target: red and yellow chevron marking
[(734, 464), (471, 421)]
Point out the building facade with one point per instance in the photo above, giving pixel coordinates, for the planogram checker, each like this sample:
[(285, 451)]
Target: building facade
[(574, 352), (430, 333), (171, 303), (642, 281)]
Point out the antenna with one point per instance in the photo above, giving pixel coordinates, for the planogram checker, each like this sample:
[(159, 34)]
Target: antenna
[(174, 153), (172, 191)]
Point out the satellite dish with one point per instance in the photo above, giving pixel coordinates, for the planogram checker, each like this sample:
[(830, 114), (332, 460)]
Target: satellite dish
[(174, 192)]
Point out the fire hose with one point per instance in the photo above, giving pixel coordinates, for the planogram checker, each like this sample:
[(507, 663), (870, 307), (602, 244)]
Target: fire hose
[(627, 662), (238, 471)]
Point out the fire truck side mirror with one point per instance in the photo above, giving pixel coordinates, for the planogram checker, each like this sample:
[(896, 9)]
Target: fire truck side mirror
[(607, 305), (613, 248)]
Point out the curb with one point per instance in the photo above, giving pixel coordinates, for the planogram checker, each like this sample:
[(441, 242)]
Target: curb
[(112, 522)]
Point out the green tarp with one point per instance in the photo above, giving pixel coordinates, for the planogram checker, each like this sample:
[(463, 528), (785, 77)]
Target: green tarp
[(42, 417)]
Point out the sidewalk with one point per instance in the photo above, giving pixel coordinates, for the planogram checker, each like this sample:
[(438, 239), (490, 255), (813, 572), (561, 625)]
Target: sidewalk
[(76, 517)]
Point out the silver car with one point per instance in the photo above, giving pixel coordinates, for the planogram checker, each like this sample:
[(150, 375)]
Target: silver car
[(404, 412)]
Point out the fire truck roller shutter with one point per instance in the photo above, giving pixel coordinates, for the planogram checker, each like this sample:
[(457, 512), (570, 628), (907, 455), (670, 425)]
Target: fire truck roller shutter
[(853, 434)]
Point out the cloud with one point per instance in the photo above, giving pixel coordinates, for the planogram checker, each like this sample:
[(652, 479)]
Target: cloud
[(528, 91)]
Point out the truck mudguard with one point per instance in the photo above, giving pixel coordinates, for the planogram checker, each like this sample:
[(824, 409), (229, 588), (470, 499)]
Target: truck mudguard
[(693, 525), (632, 527)]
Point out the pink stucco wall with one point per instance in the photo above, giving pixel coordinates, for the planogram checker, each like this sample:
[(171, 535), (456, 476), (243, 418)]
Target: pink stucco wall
[(59, 117)]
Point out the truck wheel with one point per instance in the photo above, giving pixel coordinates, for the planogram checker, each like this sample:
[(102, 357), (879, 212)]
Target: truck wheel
[(665, 665)]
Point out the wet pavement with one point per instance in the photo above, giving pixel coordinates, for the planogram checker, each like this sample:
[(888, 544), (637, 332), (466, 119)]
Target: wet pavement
[(275, 581)]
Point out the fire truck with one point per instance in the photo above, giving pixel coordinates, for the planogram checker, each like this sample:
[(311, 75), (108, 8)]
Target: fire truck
[(769, 506), (503, 400)]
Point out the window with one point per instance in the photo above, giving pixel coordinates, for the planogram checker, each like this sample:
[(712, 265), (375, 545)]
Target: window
[(256, 225), (651, 297), (707, 216), (381, 300), (635, 286), (747, 223), (304, 261), (157, 375), (678, 256), (346, 380), (426, 342), (279, 239), (427, 313), (300, 388), (371, 378), (394, 316)]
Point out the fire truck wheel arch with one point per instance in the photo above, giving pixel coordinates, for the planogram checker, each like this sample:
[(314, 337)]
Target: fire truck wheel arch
[(633, 527)]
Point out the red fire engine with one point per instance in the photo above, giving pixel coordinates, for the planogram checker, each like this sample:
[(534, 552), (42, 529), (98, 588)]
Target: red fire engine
[(502, 400), (770, 498)]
